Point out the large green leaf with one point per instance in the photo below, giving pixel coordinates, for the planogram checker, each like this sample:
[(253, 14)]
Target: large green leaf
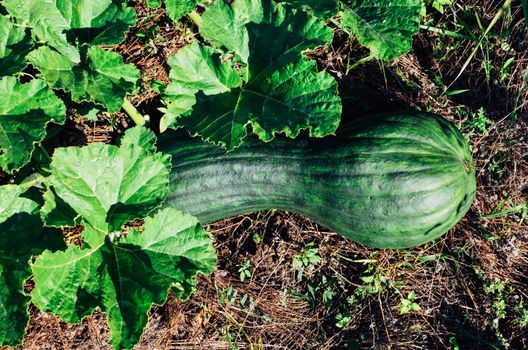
[(154, 4), (99, 22), (21, 236), (102, 77), (280, 90), (121, 274), (56, 212), (107, 185), (45, 21), (15, 44), (386, 27), (177, 8), (196, 68), (125, 276), (12, 202), (63, 24), (224, 24), (25, 110)]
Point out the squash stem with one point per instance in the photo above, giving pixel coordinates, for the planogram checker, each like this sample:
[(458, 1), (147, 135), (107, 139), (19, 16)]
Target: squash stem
[(196, 18), (133, 113), (34, 180)]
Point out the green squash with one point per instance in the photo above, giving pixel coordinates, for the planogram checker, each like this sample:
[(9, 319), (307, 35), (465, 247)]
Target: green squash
[(387, 181)]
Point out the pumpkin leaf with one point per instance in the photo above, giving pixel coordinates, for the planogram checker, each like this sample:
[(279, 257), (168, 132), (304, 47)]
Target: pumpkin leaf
[(107, 185), (196, 68), (15, 44), (154, 4), (103, 187), (124, 277), (176, 9), (25, 110), (66, 24), (386, 27), (224, 24), (101, 78), (269, 87), (22, 236)]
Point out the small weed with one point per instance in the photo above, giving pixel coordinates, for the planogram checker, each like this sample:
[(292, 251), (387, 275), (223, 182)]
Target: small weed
[(306, 260), (328, 293), (454, 343), (324, 286), (508, 207), (231, 296), (477, 123), (505, 46), (504, 71), (373, 284), (408, 305), (226, 295), (343, 319), (374, 281), (488, 66), (522, 319), (439, 5), (497, 289), (225, 332), (478, 271), (443, 45), (325, 292), (151, 36), (245, 270), (249, 301), (496, 166), (257, 239)]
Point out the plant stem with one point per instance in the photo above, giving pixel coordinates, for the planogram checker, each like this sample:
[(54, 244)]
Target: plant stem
[(359, 62), (446, 32), (133, 113), (196, 18), (33, 180), (338, 25)]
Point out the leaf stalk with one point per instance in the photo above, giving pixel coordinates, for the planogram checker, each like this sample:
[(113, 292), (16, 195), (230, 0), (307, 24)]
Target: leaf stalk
[(133, 113)]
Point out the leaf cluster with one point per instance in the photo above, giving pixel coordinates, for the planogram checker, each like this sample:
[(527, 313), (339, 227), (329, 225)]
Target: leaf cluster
[(120, 271)]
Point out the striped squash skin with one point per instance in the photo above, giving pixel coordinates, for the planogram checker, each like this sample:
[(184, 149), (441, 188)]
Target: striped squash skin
[(387, 181)]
